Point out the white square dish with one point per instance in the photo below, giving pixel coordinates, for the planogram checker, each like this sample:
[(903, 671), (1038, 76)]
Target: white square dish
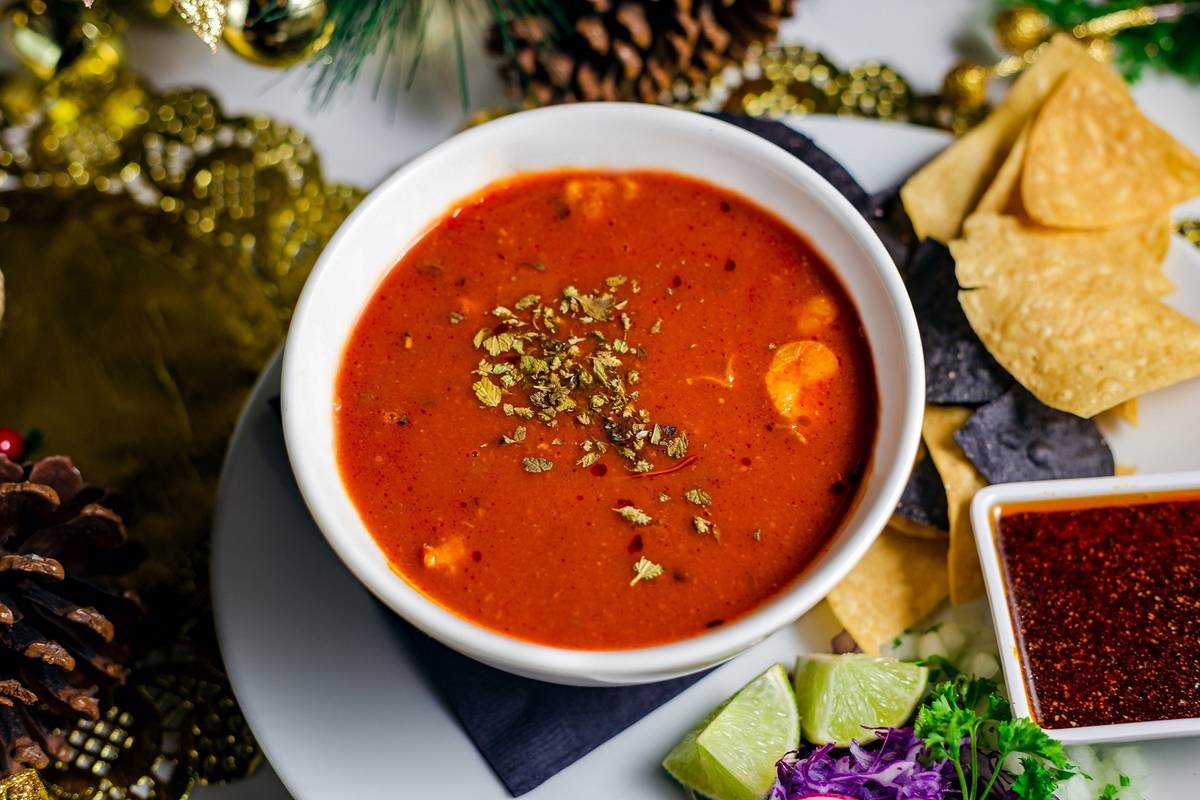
[(986, 509)]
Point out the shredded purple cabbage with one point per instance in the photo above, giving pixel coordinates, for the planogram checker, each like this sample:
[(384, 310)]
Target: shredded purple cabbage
[(889, 769)]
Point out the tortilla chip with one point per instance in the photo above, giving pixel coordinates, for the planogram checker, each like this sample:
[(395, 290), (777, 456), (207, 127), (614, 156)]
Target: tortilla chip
[(1017, 438), (940, 195), (922, 508), (962, 481), (1068, 318), (1128, 258), (1095, 161), (1003, 195), (958, 368), (895, 585), (1128, 411)]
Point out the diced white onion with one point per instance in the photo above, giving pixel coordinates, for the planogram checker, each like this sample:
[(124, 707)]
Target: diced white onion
[(953, 637)]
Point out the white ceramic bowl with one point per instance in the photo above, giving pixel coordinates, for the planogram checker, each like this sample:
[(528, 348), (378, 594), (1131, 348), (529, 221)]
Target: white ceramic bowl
[(986, 508), (600, 136)]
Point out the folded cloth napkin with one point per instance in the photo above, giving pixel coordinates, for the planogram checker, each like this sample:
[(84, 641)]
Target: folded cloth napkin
[(528, 730)]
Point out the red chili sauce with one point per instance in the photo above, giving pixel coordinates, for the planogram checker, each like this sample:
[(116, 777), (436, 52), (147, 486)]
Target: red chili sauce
[(602, 411), (1106, 609)]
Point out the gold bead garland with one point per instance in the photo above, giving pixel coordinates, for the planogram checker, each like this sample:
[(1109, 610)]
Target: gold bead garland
[(1019, 29), (794, 79)]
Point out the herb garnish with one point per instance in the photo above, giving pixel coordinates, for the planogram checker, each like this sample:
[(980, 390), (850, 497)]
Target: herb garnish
[(698, 497), (1111, 792), (455, 317), (646, 570), (488, 393), (705, 526), (677, 447), (517, 436), (567, 358), (536, 465), (634, 514), (965, 716)]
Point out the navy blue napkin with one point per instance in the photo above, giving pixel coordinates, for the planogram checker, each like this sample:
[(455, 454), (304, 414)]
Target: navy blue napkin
[(528, 730)]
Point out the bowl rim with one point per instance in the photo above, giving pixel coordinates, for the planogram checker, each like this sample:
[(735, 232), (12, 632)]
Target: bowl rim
[(986, 507), (662, 661)]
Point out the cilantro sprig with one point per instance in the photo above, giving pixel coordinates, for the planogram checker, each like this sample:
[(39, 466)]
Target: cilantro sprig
[(966, 720)]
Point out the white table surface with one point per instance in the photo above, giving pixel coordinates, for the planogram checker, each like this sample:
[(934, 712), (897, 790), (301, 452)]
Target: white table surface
[(362, 138)]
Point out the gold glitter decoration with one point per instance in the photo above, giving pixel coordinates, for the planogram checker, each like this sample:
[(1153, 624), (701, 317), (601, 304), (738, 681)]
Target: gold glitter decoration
[(205, 17), (153, 249), (24, 785)]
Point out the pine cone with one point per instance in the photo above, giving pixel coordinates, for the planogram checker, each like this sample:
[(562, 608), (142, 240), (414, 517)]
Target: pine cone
[(57, 629), (626, 50)]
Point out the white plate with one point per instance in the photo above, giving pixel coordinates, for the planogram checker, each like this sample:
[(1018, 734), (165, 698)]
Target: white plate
[(342, 710)]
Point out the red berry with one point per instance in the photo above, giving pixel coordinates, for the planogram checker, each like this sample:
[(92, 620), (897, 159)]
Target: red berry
[(11, 444)]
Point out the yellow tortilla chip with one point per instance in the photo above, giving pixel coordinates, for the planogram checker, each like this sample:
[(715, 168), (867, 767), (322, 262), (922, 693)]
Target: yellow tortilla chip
[(939, 196), (913, 528), (1001, 247), (1076, 328), (895, 585), (962, 481), (1003, 196), (1095, 161), (1128, 411)]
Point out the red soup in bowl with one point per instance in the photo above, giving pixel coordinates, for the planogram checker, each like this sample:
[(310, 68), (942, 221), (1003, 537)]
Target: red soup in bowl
[(605, 410)]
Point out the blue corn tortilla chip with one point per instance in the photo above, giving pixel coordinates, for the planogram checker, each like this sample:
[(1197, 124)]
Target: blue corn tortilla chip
[(958, 368), (1018, 438), (923, 509)]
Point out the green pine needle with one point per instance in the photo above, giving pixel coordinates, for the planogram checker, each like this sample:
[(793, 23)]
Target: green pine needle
[(1170, 46), (401, 26)]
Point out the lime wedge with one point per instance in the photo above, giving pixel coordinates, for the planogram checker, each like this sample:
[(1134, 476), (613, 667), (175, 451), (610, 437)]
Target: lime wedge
[(842, 697), (731, 755)]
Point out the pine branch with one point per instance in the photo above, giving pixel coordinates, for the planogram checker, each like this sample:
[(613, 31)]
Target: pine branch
[(361, 27)]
